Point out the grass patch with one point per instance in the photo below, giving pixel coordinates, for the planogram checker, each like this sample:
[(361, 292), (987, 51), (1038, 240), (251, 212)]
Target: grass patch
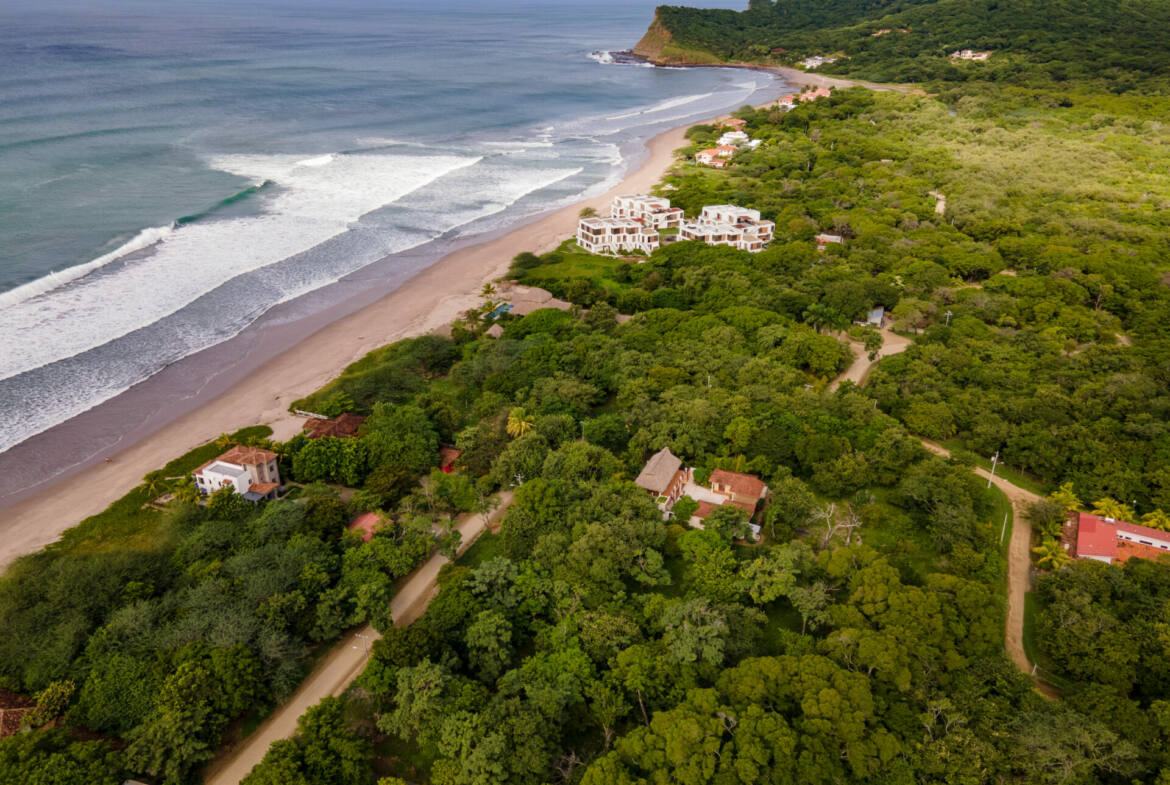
[(485, 548), (395, 757), (569, 263)]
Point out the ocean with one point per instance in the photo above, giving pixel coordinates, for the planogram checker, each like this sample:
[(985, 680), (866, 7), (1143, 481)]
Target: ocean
[(171, 171)]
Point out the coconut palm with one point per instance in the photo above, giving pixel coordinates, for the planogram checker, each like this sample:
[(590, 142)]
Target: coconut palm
[(1066, 497), (1157, 520), (519, 423), (1111, 508), (1050, 554), (224, 440), (154, 482)]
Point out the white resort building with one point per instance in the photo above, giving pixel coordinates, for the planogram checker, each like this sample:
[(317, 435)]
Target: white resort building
[(635, 221), (726, 224), (734, 138), (652, 211), (249, 471), (615, 235)]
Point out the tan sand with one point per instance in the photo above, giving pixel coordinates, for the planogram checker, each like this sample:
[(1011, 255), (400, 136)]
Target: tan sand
[(431, 299)]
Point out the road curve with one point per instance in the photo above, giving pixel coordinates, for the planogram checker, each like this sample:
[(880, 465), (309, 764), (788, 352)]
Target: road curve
[(337, 670)]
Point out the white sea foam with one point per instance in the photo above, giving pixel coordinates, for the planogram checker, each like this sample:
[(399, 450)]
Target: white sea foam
[(54, 280), (309, 205), (660, 107), (485, 192), (601, 56)]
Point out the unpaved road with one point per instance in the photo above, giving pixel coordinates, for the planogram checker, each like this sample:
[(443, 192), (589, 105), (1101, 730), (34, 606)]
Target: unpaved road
[(892, 343), (345, 662), (1019, 556)]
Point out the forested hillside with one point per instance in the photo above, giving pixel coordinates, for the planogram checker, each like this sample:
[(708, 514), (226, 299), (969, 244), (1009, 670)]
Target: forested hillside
[(1123, 44)]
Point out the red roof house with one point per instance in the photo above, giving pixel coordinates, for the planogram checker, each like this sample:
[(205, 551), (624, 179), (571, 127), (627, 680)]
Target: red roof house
[(367, 523), (343, 426), (1089, 536)]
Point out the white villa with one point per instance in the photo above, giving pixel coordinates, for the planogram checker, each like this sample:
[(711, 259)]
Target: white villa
[(249, 471), (816, 61), (615, 235), (653, 211), (734, 138), (726, 224)]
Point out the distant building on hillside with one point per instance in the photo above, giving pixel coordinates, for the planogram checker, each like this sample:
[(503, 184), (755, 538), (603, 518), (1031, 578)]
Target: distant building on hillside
[(652, 211), (967, 54), (249, 471), (824, 240), (733, 123), (343, 426), (1088, 536), (816, 61), (615, 235), (814, 95)]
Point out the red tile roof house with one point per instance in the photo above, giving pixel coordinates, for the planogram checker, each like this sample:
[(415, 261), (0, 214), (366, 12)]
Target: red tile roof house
[(343, 426), (1088, 536), (250, 471), (734, 123), (667, 479)]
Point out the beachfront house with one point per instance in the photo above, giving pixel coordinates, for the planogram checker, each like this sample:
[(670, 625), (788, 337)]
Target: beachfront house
[(726, 224), (653, 211), (716, 156), (734, 123), (786, 101), (615, 235), (823, 240), (1087, 536), (249, 471)]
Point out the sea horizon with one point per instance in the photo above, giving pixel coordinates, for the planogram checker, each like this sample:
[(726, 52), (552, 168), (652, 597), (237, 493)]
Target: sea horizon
[(298, 224)]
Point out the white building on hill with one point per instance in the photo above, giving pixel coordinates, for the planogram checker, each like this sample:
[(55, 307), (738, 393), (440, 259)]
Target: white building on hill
[(734, 138), (726, 224), (653, 211), (615, 235), (249, 471)]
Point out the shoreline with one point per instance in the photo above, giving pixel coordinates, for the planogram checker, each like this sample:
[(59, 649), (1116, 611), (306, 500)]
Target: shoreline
[(424, 302)]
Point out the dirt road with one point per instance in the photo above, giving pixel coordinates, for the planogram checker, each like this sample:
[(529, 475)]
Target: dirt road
[(345, 662), (1019, 556), (892, 343)]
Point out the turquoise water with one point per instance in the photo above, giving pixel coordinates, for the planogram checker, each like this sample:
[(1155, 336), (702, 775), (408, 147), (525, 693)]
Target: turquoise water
[(170, 171)]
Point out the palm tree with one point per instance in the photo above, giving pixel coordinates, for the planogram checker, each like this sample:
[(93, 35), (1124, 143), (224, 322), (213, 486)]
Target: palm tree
[(1157, 520), (488, 291), (1111, 508), (519, 423), (224, 440), (1066, 497), (1050, 554), (154, 482)]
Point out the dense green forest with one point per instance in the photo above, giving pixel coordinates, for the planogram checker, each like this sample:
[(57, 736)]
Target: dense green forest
[(1013, 224), (1120, 45)]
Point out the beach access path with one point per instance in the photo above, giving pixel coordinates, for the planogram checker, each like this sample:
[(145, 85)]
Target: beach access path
[(433, 298), (346, 661)]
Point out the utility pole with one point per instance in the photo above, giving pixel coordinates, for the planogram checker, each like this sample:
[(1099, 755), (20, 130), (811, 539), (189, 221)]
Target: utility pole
[(994, 461), (949, 315), (1003, 531), (365, 640), (519, 478)]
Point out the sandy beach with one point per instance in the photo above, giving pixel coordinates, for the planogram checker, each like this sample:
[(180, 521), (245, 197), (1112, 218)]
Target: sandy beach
[(427, 301)]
